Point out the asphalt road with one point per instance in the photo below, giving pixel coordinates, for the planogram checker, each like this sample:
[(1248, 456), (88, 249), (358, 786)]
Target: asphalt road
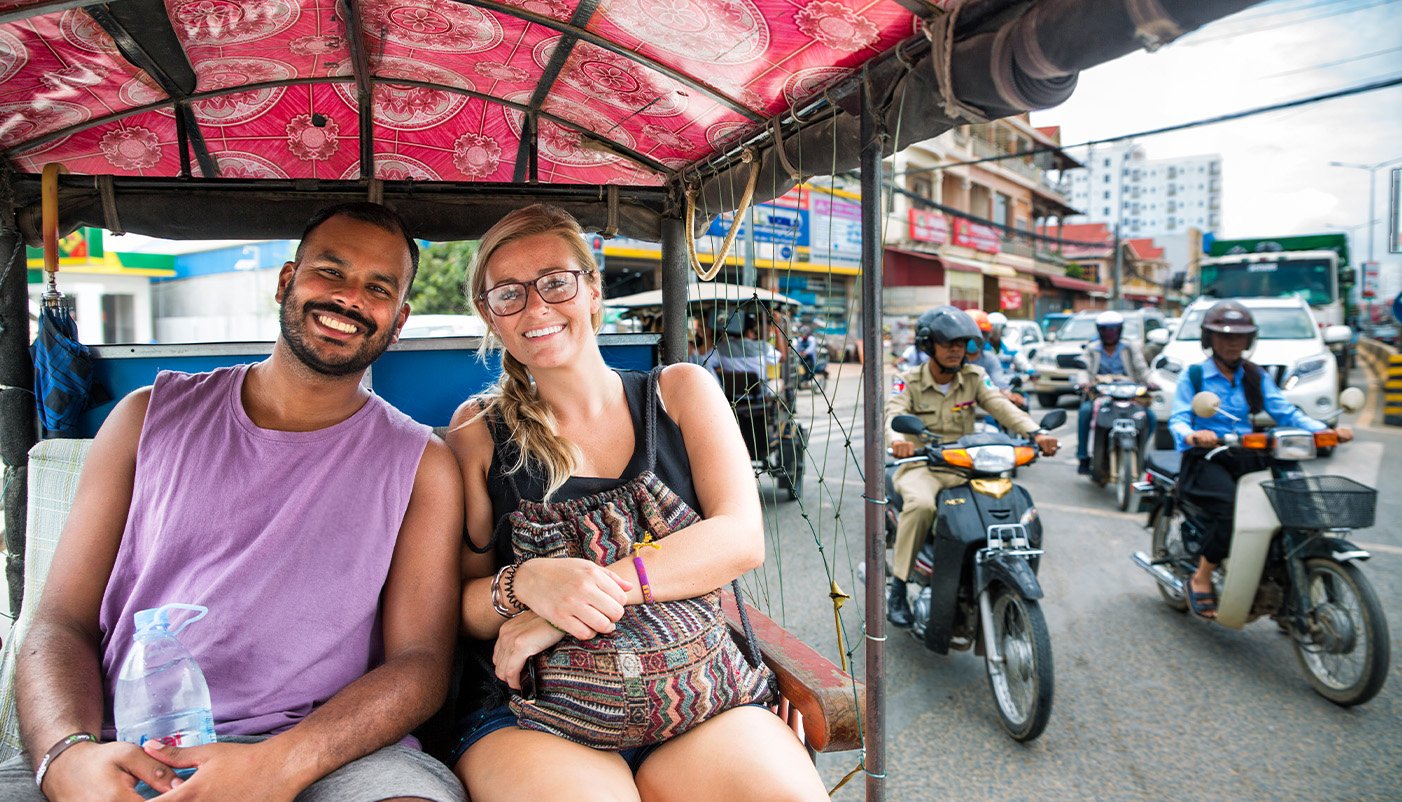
[(1149, 703)]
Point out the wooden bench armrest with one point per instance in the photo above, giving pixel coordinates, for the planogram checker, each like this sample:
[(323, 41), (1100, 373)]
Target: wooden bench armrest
[(821, 691)]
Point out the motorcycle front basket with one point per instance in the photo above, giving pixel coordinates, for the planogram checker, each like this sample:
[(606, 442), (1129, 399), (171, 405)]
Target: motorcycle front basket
[(1322, 502)]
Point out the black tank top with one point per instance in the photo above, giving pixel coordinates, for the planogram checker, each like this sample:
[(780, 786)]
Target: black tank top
[(475, 685), (672, 466)]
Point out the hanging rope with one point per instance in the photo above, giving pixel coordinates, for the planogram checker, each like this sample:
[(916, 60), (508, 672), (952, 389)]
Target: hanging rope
[(740, 213)]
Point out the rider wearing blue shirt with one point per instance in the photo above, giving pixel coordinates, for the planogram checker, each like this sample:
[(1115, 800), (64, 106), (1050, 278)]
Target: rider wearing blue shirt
[(1208, 478)]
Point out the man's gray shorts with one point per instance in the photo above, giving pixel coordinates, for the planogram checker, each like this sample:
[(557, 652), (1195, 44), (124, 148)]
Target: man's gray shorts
[(395, 771)]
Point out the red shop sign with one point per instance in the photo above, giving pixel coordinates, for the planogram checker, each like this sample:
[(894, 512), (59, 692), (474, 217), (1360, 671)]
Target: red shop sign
[(980, 238), (928, 226), (1010, 299)]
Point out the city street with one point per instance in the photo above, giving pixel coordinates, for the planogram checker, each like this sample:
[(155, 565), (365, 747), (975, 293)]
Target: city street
[(1149, 703)]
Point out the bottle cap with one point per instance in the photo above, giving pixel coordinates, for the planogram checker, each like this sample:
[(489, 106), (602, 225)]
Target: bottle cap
[(157, 619)]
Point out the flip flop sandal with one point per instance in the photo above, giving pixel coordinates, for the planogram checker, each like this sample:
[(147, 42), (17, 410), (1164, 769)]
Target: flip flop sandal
[(1200, 604)]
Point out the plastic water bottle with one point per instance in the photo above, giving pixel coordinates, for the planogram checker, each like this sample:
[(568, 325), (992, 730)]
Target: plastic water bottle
[(161, 694)]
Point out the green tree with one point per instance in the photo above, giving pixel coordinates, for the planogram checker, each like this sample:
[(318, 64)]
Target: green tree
[(439, 287)]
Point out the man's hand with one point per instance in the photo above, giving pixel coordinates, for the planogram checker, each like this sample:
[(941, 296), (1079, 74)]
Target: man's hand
[(227, 771), (900, 449), (1345, 433), (576, 595), (1047, 444), (104, 771), (520, 639), (1202, 438)]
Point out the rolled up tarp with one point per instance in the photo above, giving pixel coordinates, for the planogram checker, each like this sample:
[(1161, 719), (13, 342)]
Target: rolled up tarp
[(1012, 65)]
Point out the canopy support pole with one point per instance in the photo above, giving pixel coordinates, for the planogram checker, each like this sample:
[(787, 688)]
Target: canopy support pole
[(872, 137), (18, 420), (676, 268)]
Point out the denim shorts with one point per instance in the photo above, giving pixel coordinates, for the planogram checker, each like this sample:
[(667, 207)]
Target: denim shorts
[(488, 720)]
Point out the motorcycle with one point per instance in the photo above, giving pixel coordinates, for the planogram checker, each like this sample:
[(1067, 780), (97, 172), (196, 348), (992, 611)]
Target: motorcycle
[(1290, 556), (1120, 431), (986, 542)]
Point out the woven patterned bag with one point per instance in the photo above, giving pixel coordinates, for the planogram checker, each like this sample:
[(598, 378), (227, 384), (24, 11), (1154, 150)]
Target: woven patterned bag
[(668, 666)]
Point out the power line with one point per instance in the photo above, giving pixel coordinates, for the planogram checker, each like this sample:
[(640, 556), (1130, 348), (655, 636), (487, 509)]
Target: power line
[(1259, 29), (1337, 63), (1385, 83)]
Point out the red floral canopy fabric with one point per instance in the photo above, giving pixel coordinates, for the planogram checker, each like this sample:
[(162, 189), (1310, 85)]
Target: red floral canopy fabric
[(620, 91)]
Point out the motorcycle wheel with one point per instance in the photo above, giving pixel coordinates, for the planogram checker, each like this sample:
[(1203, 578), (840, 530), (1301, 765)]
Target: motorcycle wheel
[(1167, 541), (1129, 469), (1022, 686), (1345, 657)]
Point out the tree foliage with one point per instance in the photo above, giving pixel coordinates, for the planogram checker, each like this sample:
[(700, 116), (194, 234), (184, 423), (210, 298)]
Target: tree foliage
[(439, 287)]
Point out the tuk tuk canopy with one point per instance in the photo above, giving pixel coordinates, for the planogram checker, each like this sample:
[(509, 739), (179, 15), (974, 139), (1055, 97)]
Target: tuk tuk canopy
[(195, 114)]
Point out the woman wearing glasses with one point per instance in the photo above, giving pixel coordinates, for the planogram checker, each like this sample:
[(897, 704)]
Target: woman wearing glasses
[(561, 426)]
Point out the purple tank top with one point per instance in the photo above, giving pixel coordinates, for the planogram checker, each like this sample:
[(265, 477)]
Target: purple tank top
[(285, 536)]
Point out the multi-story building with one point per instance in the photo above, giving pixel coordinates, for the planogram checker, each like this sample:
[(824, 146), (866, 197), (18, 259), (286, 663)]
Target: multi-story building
[(963, 234), (1148, 197)]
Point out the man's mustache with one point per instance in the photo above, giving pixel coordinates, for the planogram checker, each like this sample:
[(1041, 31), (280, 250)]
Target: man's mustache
[(361, 320)]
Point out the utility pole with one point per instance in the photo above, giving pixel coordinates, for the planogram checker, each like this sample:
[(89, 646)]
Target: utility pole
[(1372, 170), (1116, 301)]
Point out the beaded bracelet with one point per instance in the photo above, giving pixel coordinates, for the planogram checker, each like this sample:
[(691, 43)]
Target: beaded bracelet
[(647, 543)]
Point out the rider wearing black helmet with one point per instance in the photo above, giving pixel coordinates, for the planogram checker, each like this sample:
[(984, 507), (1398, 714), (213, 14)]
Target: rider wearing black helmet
[(1228, 332), (946, 393)]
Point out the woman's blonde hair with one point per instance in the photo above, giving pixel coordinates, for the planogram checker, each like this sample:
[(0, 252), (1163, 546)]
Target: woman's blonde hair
[(529, 421)]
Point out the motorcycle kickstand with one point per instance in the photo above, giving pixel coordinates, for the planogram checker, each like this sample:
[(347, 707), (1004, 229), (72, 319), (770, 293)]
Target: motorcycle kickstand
[(990, 641)]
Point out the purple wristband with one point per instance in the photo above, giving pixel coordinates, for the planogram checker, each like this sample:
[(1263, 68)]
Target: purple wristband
[(642, 578)]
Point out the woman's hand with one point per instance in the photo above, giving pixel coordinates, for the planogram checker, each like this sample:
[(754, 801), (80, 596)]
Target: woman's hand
[(575, 595), (520, 639), (1345, 433)]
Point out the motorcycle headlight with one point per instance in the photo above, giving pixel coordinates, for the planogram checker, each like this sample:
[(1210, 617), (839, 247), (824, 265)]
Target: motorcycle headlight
[(1294, 444), (996, 459)]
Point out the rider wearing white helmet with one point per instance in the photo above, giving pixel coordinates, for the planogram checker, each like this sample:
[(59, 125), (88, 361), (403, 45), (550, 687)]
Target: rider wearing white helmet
[(1109, 355)]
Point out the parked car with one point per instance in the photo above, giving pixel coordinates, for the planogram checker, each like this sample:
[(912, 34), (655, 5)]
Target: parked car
[(1026, 335), (1053, 321), (1058, 360), (1289, 344)]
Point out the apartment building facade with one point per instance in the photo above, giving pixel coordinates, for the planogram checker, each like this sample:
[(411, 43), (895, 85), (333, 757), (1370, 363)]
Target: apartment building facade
[(1147, 197)]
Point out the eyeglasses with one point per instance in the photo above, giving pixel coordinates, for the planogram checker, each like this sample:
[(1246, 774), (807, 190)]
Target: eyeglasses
[(509, 298)]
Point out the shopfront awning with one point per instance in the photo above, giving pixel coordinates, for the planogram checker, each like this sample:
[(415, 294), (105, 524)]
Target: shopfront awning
[(1068, 283), (973, 265), (1019, 283)]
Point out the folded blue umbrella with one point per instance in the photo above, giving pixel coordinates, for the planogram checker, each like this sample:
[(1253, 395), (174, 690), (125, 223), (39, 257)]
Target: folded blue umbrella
[(63, 373)]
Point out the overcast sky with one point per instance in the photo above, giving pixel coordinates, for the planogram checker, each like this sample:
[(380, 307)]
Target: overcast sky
[(1276, 173)]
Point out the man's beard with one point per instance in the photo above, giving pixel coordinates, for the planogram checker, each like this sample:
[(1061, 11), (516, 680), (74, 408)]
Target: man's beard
[(293, 325)]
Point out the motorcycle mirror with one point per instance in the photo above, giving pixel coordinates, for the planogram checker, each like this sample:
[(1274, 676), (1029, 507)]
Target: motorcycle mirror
[(1053, 420), (1206, 404), (1015, 382), (1352, 399), (908, 424)]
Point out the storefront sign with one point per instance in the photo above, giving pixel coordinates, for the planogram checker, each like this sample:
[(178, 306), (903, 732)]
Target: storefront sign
[(928, 226), (1010, 299), (837, 232), (980, 238)]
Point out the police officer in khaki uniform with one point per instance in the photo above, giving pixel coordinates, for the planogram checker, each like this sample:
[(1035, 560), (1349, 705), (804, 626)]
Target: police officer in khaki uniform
[(948, 394)]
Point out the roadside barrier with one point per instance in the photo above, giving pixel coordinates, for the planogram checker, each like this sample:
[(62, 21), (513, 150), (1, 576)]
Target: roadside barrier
[(1388, 364)]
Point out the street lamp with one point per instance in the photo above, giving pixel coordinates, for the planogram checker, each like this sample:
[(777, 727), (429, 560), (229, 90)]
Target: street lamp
[(1371, 169)]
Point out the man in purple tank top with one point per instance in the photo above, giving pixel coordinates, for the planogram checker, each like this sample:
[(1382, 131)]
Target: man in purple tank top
[(319, 525)]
